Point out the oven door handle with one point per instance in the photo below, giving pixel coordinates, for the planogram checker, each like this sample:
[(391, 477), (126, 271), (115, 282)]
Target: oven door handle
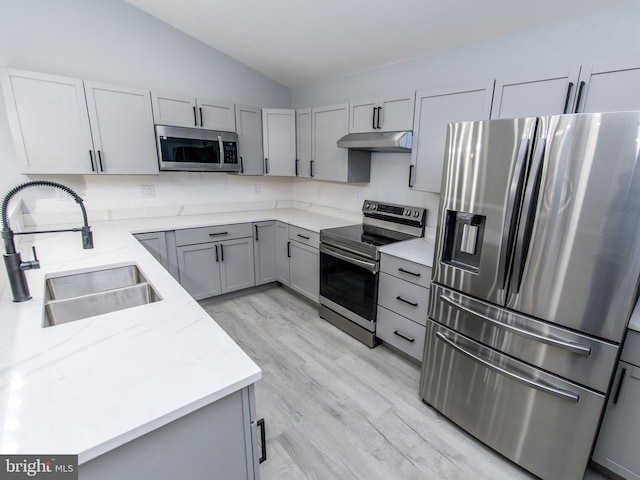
[(371, 266)]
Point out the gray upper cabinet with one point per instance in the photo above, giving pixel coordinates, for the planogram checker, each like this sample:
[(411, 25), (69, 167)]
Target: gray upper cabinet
[(279, 141), (264, 250), (545, 94), (303, 143), (389, 113), (329, 162), (249, 128), (184, 111), (63, 125), (434, 110), (609, 87)]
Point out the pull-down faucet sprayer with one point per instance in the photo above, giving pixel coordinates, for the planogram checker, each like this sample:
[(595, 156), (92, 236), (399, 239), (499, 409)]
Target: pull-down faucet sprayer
[(12, 259)]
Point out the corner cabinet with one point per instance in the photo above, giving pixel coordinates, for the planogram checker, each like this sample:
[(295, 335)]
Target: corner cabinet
[(63, 125), (328, 161), (434, 110), (183, 111), (279, 141), (298, 260), (221, 437), (264, 250), (249, 127), (391, 113)]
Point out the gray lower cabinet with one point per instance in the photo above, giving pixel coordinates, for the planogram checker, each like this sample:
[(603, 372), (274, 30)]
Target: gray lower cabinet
[(217, 441), (298, 260), (264, 249), (208, 268), (156, 245), (617, 444), (403, 301)]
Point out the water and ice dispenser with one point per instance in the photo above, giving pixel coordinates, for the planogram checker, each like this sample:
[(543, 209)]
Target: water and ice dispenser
[(463, 240)]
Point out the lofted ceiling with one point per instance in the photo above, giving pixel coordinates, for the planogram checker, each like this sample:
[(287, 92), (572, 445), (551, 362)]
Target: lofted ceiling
[(303, 42)]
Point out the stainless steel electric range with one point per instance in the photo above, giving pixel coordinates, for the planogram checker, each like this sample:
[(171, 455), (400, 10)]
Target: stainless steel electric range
[(350, 261)]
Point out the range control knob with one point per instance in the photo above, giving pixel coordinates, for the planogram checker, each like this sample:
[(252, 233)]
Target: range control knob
[(373, 206), (367, 205), (407, 212), (416, 214)]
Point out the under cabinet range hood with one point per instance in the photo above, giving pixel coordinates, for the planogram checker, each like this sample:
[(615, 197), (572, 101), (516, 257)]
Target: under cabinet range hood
[(399, 142)]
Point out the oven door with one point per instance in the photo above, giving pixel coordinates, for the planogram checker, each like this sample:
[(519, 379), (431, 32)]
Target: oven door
[(349, 285)]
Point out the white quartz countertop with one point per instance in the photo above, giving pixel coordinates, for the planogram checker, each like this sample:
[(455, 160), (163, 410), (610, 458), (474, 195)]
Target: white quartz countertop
[(89, 386), (419, 250)]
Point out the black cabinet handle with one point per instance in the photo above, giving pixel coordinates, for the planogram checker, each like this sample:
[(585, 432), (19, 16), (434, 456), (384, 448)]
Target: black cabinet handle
[(311, 168), (100, 160), (217, 234), (580, 89), (379, 112), (619, 388), (297, 167), (255, 227), (407, 271), (266, 165), (289, 249), (222, 253), (195, 117), (410, 176), (402, 336), (303, 236), (373, 120), (93, 168), (399, 298), (263, 440), (566, 100), (201, 124), (241, 166), (217, 259)]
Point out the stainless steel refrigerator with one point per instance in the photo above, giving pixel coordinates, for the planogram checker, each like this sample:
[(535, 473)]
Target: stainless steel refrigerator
[(535, 276)]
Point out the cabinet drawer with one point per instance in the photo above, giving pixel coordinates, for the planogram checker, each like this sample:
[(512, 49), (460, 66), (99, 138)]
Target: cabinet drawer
[(190, 236), (304, 236), (400, 332), (631, 349), (405, 298), (409, 271)]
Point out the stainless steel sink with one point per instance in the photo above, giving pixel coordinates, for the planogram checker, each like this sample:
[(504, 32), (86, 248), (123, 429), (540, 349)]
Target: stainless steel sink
[(76, 295)]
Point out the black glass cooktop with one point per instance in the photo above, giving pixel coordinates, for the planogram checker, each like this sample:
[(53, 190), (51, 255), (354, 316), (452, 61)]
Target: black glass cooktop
[(362, 237)]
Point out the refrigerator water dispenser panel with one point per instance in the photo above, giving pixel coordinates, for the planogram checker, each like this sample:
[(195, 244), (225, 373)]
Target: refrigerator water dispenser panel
[(463, 235)]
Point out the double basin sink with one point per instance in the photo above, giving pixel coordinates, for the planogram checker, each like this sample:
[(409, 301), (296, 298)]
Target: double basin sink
[(71, 296)]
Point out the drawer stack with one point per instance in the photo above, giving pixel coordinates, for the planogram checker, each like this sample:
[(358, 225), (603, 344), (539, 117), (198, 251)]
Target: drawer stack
[(403, 300)]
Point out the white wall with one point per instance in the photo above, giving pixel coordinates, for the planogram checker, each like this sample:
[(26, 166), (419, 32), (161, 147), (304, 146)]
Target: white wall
[(599, 37), (111, 41)]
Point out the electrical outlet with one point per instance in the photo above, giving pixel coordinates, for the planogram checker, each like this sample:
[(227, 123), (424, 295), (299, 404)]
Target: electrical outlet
[(147, 191), (256, 188)]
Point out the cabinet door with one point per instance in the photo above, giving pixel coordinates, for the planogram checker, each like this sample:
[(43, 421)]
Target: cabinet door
[(329, 124), (303, 143), (434, 110), (264, 250), (617, 445), (396, 113), (550, 94), (361, 115), (49, 122), (610, 87), (216, 115), (122, 129), (249, 127), (199, 268), (156, 245), (236, 264), (174, 110), (283, 252), (279, 141), (305, 270)]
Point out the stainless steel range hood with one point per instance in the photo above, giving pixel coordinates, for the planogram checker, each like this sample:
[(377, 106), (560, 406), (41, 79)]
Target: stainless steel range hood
[(378, 141)]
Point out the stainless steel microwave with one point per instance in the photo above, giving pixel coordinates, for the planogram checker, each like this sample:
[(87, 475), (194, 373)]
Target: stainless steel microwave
[(197, 149)]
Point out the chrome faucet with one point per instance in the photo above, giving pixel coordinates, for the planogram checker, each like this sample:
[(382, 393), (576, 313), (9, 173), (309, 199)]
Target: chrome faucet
[(12, 259)]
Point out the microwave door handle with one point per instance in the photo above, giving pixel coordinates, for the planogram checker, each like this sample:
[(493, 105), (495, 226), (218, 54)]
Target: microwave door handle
[(530, 204), (511, 213), (222, 159)]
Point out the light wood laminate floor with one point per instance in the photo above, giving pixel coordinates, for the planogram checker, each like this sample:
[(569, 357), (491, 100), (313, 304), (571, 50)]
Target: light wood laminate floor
[(335, 409)]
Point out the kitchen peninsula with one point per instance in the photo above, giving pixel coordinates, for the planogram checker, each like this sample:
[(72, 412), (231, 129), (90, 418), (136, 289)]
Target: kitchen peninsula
[(90, 386)]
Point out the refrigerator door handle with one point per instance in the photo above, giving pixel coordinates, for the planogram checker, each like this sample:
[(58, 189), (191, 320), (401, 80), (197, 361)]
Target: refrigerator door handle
[(511, 214), (529, 203), (556, 392), (572, 347)]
